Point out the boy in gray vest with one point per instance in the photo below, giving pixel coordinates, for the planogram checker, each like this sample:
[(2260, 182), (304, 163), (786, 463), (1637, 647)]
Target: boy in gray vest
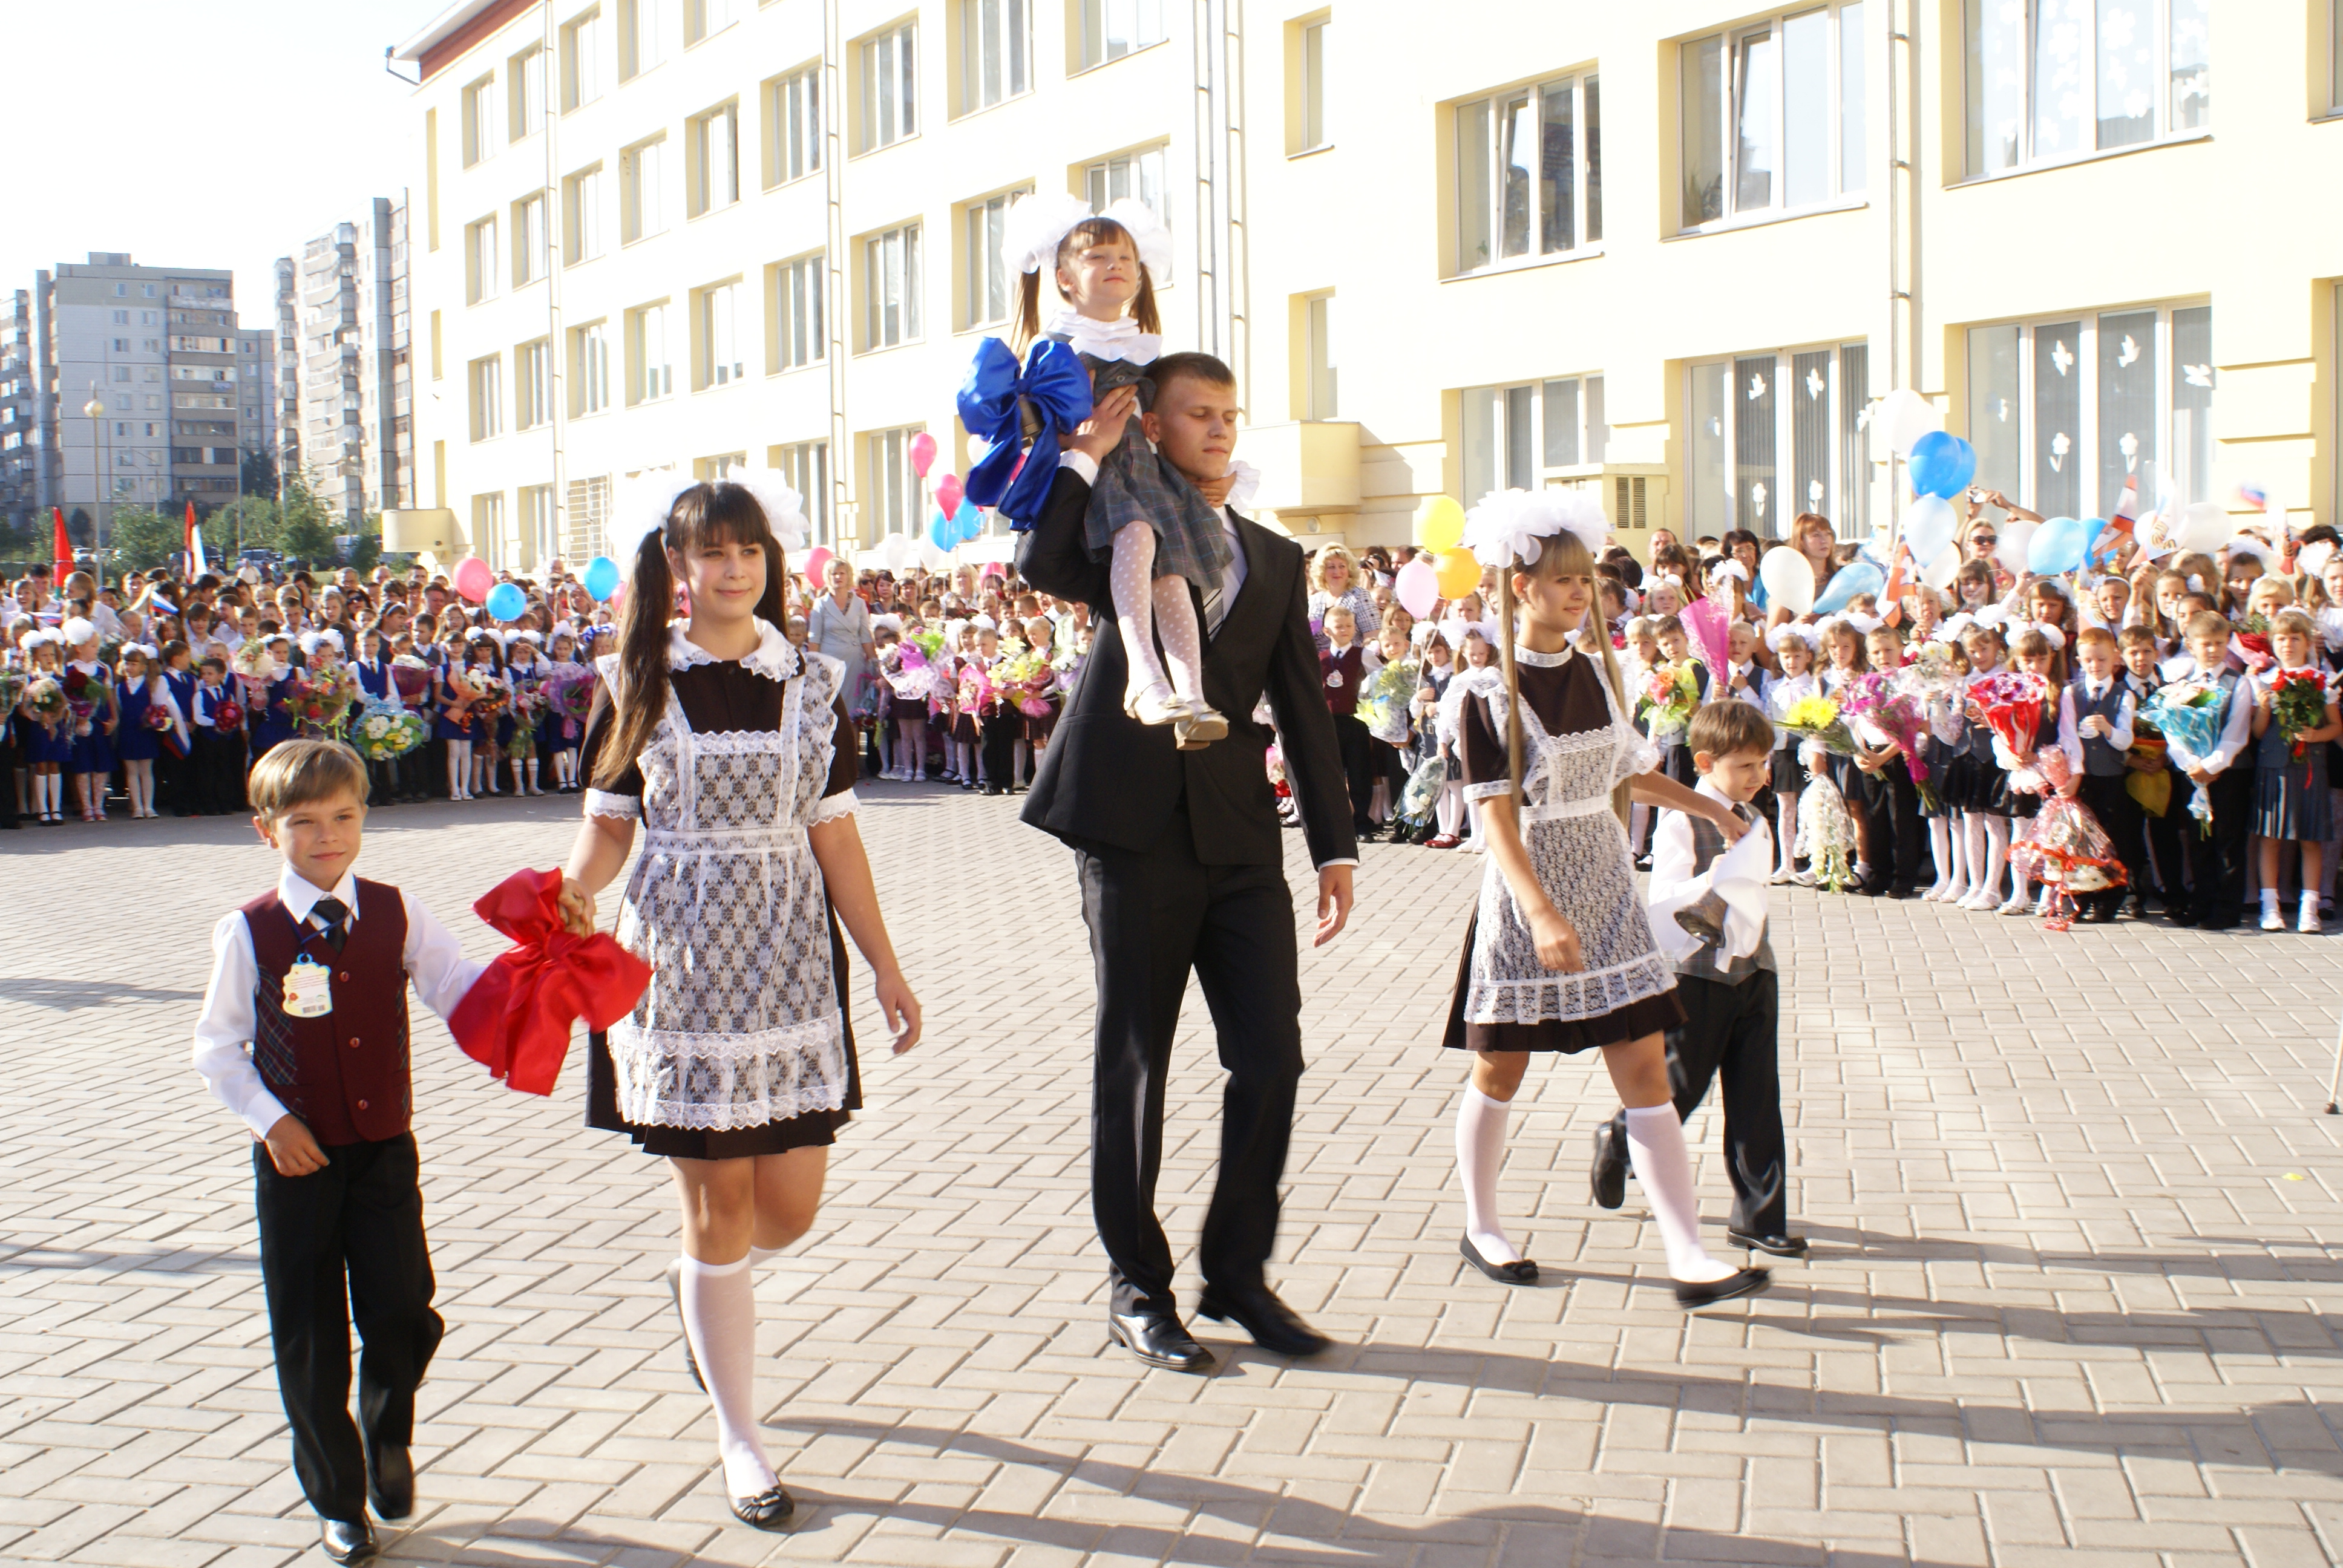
[(1732, 1006), (2098, 709)]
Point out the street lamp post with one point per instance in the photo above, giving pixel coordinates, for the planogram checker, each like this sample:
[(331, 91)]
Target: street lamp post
[(95, 409)]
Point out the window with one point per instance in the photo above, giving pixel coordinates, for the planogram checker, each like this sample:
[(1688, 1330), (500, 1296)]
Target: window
[(532, 258), (891, 281), (643, 30), (1318, 354), (793, 125), (1527, 184), (654, 372), (2065, 413), (1514, 435), (1745, 413), (488, 528), (532, 385), (800, 337), (1773, 115), (716, 159), (889, 86), (1113, 28), (895, 485), (538, 543), (481, 262), (1139, 176), (589, 369), (719, 336), (435, 346), (581, 215), (581, 60), (806, 465), (1313, 86), (703, 19), (991, 283), (994, 45), (2050, 80), (487, 398), (642, 174), (481, 121), (526, 75)]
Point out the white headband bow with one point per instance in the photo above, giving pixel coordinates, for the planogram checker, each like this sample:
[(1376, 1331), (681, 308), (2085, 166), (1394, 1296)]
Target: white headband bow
[(1037, 225), (78, 631), (1790, 631), (1510, 525), (646, 501), (1729, 569)]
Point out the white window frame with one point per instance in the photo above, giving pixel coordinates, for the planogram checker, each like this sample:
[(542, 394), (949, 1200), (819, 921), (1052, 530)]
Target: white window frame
[(1727, 499), (532, 385), (887, 66), (481, 128), (642, 179), (1115, 29), (581, 215), (532, 256), (1321, 390), (484, 261), (1481, 126), (2175, 25), (538, 541), (582, 60), (722, 360), (806, 465), (1311, 68), (897, 495), (801, 330), (1144, 174), (990, 298), (525, 92), (591, 367), (996, 51), (716, 157), (651, 353), (1841, 145), (891, 262), (485, 377), (643, 29), (793, 125), (703, 19)]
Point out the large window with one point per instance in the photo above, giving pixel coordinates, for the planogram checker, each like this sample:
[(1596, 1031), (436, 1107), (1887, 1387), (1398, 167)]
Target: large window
[(793, 125), (1515, 435), (581, 215), (532, 385), (890, 86), (581, 60), (653, 369), (1319, 362), (2065, 413), (703, 19), (526, 73), (531, 260), (482, 265), (1113, 28), (719, 336), (642, 175), (991, 285), (1313, 129), (994, 50), (538, 541), (481, 127), (806, 465), (589, 368), (891, 281), (800, 337), (1139, 176), (2055, 79), (1772, 434), (1773, 115), (487, 387), (644, 28), (896, 489), (1529, 171), (716, 159)]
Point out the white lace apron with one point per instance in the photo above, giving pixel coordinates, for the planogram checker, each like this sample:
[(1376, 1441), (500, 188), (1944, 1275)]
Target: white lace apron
[(1578, 851), (741, 1026)]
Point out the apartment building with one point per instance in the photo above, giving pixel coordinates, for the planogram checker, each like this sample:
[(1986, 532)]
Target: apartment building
[(19, 448), (1676, 250), (344, 298)]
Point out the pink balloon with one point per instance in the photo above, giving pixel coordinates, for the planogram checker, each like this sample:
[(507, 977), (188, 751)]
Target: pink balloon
[(817, 562), (1418, 588), (618, 597), (923, 453), (473, 578), (949, 491)]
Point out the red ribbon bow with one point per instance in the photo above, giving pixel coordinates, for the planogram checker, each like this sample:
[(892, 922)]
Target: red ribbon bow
[(516, 1018)]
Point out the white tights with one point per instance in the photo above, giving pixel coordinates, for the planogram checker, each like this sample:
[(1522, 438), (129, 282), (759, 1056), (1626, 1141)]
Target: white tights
[(1450, 809), (1145, 604), (139, 782), (1988, 856), (459, 770)]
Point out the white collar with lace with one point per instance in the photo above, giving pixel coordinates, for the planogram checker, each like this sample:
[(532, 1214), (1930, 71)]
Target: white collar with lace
[(774, 657), (1118, 339), (1537, 661)]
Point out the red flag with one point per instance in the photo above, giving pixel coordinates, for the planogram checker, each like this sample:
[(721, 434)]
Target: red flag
[(194, 545), (63, 548)]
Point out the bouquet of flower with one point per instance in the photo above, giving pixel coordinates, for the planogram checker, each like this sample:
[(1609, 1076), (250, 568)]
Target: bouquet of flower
[(930, 644), (409, 675), (2298, 704), (2147, 780), (226, 715), (1277, 783), (1879, 702), (915, 677), (1931, 673), (568, 693), (1671, 693), (45, 699), (2011, 702), (322, 698), (2252, 635), (488, 693), (253, 662), (2066, 849), (2191, 712), (158, 717), (1024, 678), (12, 690), (387, 732), (1383, 700), (1816, 718), (81, 700), (1826, 834)]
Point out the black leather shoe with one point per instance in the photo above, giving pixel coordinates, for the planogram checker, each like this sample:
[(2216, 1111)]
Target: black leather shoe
[(348, 1541), (2181, 916), (768, 1510), (1520, 1272), (1782, 1246), (1271, 1323), (675, 1289), (391, 1482), (1610, 1166), (1747, 1282), (1158, 1341)]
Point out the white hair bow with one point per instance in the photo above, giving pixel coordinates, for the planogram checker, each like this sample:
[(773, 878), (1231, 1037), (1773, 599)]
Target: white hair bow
[(78, 631), (641, 508), (1790, 631), (1512, 525)]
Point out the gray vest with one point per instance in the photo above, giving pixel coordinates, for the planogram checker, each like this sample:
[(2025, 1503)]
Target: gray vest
[(2100, 759), (1707, 844)]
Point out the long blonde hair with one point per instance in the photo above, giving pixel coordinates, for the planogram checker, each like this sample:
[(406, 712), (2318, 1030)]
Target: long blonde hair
[(1562, 555)]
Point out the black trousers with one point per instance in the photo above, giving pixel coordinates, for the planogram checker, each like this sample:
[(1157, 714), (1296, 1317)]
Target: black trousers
[(2218, 893), (1153, 916), (2123, 820), (217, 764), (1350, 738), (1893, 803), (2164, 843), (1731, 1033), (359, 1221), (173, 781), (997, 743)]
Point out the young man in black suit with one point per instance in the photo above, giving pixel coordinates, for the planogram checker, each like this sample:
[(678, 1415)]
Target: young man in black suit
[(1180, 864)]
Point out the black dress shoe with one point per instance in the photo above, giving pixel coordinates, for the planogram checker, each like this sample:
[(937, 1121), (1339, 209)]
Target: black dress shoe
[(1610, 1166), (348, 1541), (1747, 1282), (1780, 1246), (391, 1482), (1158, 1341), (2181, 915), (1520, 1272), (1271, 1323), (675, 1289), (768, 1510)]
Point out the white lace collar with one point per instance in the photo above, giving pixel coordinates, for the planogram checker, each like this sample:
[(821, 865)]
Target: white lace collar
[(774, 657), (1537, 661), (1118, 339)]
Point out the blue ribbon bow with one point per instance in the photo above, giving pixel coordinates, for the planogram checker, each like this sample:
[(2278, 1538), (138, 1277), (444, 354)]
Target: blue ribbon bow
[(1058, 388)]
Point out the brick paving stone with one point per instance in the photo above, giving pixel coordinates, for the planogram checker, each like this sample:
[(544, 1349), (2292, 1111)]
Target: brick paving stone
[(2070, 1300)]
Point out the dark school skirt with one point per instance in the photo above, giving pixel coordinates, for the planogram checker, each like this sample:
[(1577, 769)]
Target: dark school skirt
[(1652, 1015)]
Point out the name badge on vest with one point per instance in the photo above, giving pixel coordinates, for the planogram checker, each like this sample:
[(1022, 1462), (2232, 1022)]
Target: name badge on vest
[(309, 990)]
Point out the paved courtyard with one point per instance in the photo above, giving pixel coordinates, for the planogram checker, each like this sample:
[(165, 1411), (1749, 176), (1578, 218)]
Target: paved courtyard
[(2071, 1298)]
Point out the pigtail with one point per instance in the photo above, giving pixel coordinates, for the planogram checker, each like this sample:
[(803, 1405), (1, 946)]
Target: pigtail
[(1027, 319), (1142, 304), (1513, 680), (639, 687)]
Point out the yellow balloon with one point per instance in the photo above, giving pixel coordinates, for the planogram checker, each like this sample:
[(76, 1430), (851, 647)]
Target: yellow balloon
[(1443, 525), (1460, 573)]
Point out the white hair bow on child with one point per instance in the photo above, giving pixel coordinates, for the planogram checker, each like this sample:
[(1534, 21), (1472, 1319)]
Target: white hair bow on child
[(1037, 224), (1512, 525)]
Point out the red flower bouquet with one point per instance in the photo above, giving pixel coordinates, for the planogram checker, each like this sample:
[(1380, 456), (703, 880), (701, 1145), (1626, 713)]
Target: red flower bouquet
[(2298, 705), (226, 716), (2011, 702), (2066, 849)]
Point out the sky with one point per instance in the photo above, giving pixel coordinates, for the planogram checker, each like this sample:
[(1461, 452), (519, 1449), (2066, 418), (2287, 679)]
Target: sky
[(200, 135)]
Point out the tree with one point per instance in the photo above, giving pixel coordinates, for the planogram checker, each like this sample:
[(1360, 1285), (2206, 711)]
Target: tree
[(79, 529), (249, 523), (307, 530), (259, 474), (366, 547), (141, 538)]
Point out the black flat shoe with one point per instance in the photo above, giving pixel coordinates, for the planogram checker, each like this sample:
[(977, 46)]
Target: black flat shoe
[(1610, 1176), (1520, 1272), (1273, 1324), (1157, 1339), (675, 1289), (768, 1510), (1747, 1282), (391, 1482), (1781, 1246), (349, 1542)]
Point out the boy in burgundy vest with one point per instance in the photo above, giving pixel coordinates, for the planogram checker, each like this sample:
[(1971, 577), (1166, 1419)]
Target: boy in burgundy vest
[(313, 978)]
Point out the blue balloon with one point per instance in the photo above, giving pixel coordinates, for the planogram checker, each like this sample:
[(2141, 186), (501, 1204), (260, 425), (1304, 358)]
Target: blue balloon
[(2092, 529), (942, 533), (969, 520), (1858, 577), (1941, 465), (2058, 546), (601, 578), (507, 602)]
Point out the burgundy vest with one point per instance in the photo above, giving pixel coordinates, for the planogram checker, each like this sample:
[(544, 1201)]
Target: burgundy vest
[(345, 1074), (1351, 664)]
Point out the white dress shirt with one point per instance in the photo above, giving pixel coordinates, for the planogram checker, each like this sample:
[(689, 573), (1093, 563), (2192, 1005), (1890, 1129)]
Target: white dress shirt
[(1672, 855), (2235, 733), (438, 967), (2118, 737)]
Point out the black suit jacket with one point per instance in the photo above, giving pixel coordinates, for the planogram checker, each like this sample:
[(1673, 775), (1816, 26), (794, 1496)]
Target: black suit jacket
[(1107, 779)]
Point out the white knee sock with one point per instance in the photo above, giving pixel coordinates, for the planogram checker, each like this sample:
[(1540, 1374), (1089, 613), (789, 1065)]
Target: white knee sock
[(1134, 603), (1655, 1147), (1450, 809), (719, 1315), (760, 1256), (1940, 849), (1175, 618), (1480, 1154), (1996, 856)]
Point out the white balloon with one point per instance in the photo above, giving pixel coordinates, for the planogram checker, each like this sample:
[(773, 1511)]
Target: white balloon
[(1939, 572), (2312, 558), (2203, 526), (1789, 579), (1929, 527), (2010, 551), (1907, 417)]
